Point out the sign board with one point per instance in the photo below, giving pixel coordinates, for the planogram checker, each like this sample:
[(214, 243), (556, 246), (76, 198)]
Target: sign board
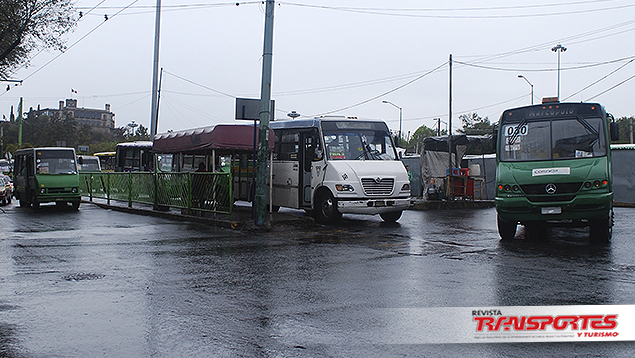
[(249, 109), (83, 148)]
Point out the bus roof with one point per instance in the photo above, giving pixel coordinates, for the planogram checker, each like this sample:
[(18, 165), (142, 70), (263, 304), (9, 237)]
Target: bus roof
[(220, 136), (44, 148), (141, 143), (551, 110), (315, 122)]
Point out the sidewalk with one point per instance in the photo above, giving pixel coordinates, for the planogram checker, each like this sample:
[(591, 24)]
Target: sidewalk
[(240, 219)]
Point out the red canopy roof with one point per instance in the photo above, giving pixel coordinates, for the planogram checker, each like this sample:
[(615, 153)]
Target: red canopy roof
[(221, 136)]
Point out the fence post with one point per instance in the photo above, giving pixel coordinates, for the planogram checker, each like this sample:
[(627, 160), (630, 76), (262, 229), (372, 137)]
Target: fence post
[(189, 193), (90, 188), (129, 189), (108, 187), (231, 195), (156, 191)]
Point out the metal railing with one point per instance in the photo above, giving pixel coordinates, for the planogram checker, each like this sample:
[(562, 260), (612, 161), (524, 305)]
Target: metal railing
[(210, 192)]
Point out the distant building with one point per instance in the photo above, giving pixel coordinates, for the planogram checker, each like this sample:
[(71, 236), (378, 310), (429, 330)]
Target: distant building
[(99, 119)]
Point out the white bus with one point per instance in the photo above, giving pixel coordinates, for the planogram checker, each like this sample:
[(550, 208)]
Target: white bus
[(334, 165)]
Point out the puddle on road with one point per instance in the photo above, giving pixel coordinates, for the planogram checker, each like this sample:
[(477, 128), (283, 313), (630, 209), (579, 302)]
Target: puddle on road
[(82, 276)]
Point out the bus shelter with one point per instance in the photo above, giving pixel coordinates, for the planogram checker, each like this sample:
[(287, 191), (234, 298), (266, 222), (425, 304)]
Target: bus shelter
[(228, 148)]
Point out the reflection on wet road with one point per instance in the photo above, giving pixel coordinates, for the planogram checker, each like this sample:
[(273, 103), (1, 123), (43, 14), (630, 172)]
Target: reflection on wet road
[(100, 282)]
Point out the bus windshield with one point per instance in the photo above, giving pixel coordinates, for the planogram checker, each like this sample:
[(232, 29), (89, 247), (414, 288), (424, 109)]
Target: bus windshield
[(55, 161), (358, 143), (554, 139)]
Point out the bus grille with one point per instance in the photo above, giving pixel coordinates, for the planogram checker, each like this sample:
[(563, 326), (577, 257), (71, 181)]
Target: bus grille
[(378, 187), (58, 190), (549, 198)]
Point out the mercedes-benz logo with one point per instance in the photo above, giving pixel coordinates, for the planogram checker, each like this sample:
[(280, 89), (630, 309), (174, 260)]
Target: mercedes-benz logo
[(550, 188)]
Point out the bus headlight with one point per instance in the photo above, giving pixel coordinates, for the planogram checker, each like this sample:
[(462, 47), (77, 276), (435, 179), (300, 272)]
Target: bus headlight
[(405, 187), (42, 190), (344, 187), (74, 190)]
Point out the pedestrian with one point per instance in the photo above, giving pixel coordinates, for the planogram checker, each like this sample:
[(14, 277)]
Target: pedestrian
[(409, 173)]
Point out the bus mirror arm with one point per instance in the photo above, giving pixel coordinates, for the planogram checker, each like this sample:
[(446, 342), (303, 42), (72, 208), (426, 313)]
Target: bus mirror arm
[(615, 131)]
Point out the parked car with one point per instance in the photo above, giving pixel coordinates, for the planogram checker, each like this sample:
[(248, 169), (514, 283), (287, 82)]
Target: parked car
[(9, 180), (5, 191)]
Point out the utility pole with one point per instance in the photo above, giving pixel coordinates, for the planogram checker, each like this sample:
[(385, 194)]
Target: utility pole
[(20, 124), (154, 114), (449, 189), (260, 199)]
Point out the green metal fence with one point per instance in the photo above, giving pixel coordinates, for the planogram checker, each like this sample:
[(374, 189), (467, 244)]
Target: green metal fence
[(194, 191)]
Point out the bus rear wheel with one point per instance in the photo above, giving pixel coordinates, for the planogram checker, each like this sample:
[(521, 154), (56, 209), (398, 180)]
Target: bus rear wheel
[(326, 208), (506, 229), (391, 217)]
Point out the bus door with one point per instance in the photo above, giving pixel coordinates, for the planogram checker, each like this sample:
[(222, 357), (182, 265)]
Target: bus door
[(310, 153)]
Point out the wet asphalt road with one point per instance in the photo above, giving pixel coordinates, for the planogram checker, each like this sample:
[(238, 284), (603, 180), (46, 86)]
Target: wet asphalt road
[(104, 283)]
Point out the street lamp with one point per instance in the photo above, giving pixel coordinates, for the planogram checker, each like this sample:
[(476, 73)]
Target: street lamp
[(532, 87), (558, 49), (400, 119)]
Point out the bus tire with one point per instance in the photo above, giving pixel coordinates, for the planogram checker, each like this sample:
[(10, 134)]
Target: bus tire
[(35, 203), (391, 217), (75, 205), (601, 230), (23, 203), (506, 229), (326, 208)]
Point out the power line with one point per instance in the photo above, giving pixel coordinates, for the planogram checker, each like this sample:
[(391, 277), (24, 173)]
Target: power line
[(385, 93), (78, 41), (409, 12), (199, 85), (604, 77), (610, 89), (546, 70)]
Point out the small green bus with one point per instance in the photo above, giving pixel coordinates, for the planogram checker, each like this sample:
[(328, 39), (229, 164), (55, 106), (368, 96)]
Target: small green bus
[(554, 167), (46, 175)]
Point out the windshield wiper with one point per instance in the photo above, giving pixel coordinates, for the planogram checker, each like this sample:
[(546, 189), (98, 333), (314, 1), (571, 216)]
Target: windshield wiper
[(589, 129)]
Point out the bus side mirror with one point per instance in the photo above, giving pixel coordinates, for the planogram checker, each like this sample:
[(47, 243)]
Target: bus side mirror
[(615, 131), (494, 137)]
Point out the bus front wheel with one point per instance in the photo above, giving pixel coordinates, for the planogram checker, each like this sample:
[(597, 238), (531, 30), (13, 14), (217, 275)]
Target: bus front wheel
[(391, 217), (506, 229), (326, 208), (601, 230)]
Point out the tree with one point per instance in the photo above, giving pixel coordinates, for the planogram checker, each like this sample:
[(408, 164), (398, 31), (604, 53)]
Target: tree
[(30, 25), (416, 141), (473, 124), (140, 134)]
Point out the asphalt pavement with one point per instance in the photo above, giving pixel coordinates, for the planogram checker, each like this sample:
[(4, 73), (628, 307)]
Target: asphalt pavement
[(100, 282)]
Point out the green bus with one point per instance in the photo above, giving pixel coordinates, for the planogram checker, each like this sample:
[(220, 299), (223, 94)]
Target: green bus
[(554, 167), (46, 175)]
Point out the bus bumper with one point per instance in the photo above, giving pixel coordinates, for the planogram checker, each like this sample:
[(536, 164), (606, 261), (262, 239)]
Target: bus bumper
[(582, 207), (373, 206), (63, 198)]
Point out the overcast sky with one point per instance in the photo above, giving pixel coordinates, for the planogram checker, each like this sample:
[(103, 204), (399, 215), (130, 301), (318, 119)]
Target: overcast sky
[(338, 57)]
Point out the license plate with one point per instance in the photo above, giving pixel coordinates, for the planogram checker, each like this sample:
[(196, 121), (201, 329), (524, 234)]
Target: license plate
[(551, 210)]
